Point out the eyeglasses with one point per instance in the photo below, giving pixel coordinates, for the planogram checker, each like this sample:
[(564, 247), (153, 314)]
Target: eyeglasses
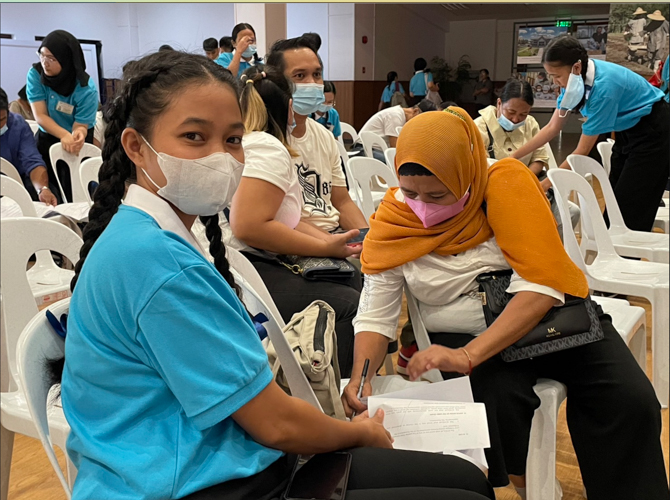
[(50, 59)]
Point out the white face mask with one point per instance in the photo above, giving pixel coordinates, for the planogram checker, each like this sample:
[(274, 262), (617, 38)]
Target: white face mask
[(204, 186)]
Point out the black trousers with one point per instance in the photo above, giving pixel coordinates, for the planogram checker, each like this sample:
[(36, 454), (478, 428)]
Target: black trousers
[(44, 143), (292, 293), (375, 474), (641, 166), (612, 411)]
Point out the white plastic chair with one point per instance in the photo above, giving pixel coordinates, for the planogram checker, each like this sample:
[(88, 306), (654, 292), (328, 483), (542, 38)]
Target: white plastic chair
[(663, 219), (541, 483), (56, 153), (10, 171), (47, 280), (389, 154), (363, 171), (370, 140), (23, 237), (347, 129), (34, 127), (354, 190), (552, 158), (628, 243), (38, 344), (611, 273), (605, 150), (88, 172), (397, 131)]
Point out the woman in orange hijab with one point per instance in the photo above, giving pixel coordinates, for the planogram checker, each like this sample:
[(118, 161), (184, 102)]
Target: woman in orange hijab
[(451, 219)]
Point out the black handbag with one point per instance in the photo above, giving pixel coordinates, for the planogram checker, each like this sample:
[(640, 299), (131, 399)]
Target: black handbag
[(318, 268), (574, 324)]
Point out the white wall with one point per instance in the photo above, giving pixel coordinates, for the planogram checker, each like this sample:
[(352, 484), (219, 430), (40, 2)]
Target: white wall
[(404, 33), (125, 30), (477, 39), (341, 27), (364, 56), (310, 17)]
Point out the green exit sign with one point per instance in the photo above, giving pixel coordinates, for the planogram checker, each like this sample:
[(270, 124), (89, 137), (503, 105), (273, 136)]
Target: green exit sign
[(563, 24)]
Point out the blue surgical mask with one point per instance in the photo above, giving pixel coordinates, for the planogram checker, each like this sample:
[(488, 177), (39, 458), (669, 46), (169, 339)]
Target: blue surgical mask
[(507, 124), (573, 94), (307, 97), (3, 129), (251, 50), (324, 108)]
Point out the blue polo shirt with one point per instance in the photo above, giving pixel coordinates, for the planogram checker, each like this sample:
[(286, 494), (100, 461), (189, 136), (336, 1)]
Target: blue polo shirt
[(618, 100), (18, 146), (227, 57), (331, 121), (159, 354), (417, 85), (84, 99), (389, 90)]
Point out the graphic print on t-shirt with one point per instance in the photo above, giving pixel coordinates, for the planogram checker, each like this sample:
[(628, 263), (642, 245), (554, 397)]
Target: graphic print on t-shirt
[(310, 183)]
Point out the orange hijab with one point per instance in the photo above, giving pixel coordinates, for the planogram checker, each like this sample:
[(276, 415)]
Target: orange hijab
[(518, 213)]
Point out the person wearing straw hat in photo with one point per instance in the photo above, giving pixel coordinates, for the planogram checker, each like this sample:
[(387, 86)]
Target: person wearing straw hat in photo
[(657, 27), (636, 26)]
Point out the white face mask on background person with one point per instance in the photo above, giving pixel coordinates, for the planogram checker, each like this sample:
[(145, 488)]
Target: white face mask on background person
[(508, 124), (204, 186), (3, 129), (251, 50), (307, 97), (573, 94)]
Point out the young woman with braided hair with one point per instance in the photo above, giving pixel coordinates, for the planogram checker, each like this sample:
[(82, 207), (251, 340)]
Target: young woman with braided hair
[(166, 385)]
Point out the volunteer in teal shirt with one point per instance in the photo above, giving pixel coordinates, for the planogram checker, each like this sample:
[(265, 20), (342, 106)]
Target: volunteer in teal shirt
[(166, 384), (244, 55), (327, 115), (63, 99), (417, 85), (612, 98)]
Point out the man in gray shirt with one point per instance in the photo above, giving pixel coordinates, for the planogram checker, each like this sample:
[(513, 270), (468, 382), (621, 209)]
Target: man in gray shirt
[(483, 93)]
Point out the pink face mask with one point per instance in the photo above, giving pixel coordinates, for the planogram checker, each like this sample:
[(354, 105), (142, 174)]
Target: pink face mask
[(431, 214)]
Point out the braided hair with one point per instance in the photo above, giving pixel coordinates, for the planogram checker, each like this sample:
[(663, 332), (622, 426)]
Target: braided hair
[(146, 90)]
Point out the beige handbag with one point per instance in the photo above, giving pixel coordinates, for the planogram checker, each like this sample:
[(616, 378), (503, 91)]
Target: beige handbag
[(311, 335)]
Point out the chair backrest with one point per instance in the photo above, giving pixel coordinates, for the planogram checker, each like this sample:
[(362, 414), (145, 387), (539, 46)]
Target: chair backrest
[(552, 158), (22, 237), (347, 129), (363, 171), (17, 192), (34, 127), (605, 150), (56, 153), (354, 190), (389, 154), (369, 140), (584, 165), (9, 170), (564, 182), (88, 172), (397, 130), (420, 332), (38, 344), (257, 299)]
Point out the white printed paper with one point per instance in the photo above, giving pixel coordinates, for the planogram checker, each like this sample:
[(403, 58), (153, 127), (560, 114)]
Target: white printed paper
[(433, 426)]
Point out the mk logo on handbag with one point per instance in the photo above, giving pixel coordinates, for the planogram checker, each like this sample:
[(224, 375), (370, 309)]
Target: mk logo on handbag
[(551, 332)]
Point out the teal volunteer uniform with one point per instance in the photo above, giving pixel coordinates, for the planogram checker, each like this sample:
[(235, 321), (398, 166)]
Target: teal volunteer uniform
[(227, 57), (621, 101), (417, 85), (330, 120), (161, 352), (389, 90), (70, 97)]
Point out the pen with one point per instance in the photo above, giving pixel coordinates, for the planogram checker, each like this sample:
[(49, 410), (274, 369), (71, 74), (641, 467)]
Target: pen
[(360, 387)]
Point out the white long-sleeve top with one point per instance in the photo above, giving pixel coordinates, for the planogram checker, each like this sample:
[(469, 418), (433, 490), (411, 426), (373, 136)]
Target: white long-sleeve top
[(440, 284)]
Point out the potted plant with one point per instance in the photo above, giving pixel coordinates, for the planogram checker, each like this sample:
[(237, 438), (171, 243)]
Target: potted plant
[(450, 79)]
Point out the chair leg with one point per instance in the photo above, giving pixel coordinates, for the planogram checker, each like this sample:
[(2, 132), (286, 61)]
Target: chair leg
[(660, 345), (6, 448), (638, 346), (388, 365), (71, 471)]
